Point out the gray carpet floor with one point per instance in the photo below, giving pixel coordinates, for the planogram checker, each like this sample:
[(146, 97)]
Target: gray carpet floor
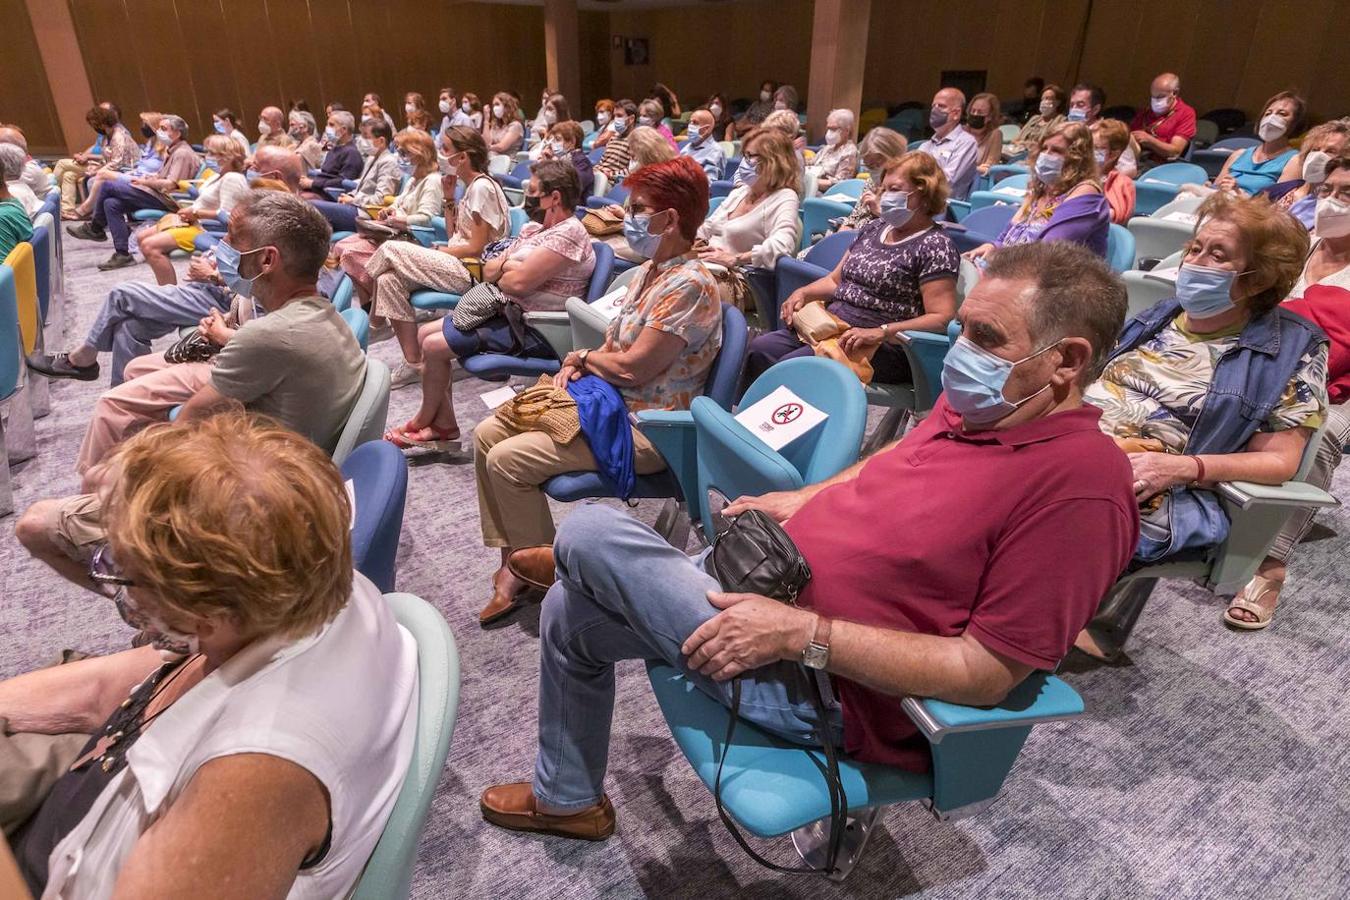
[(1210, 763)]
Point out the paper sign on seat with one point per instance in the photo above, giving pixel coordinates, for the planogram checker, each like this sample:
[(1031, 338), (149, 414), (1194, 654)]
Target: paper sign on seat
[(780, 418)]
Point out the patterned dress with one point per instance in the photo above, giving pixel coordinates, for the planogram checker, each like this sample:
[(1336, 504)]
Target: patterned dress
[(681, 300)]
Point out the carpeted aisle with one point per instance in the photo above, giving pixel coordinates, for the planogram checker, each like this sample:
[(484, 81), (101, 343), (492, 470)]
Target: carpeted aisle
[(1211, 764)]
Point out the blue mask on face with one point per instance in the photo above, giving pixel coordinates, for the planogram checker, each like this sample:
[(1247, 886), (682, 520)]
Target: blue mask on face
[(636, 230), (227, 266), (746, 171), (221, 128), (973, 380), (330, 135), (1078, 114), (405, 164), (1048, 167), (1204, 291), (212, 163)]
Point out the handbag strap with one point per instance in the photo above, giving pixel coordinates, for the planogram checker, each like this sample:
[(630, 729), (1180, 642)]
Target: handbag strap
[(833, 784)]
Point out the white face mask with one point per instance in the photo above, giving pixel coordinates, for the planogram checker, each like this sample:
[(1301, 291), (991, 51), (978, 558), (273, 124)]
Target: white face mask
[(466, 106), (264, 129), (1159, 105), (1272, 126), (1332, 219), (633, 166), (765, 96), (716, 110), (550, 116), (444, 107), (1047, 108), (1315, 166), (779, 104), (408, 108), (498, 110), (833, 136), (602, 118)]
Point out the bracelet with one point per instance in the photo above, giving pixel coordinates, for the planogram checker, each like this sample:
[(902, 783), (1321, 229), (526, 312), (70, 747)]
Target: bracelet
[(1199, 470)]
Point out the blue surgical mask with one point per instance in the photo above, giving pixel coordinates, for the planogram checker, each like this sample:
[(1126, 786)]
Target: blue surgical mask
[(747, 172), (895, 208), (1048, 167), (227, 266), (330, 135), (221, 127), (973, 381), (620, 126), (405, 164), (1205, 291), (1100, 156), (937, 118), (646, 120), (164, 137), (637, 232), (1077, 114), (213, 164), (695, 136)]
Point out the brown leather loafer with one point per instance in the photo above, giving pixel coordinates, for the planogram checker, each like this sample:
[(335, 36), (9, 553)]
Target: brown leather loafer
[(512, 806), (534, 565), (500, 606)]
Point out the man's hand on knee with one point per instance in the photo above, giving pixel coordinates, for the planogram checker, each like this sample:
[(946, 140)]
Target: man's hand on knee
[(750, 632)]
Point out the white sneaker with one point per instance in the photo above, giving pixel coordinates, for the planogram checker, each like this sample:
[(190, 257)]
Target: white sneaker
[(405, 374)]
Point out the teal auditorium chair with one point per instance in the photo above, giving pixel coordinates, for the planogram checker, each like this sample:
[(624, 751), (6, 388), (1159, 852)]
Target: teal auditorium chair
[(388, 873), (18, 440), (1119, 248), (816, 216), (852, 188), (1256, 513), (366, 420), (772, 787), (791, 273), (342, 294), (1156, 238), (1010, 190), (981, 226), (378, 472), (731, 459), (1212, 158), (1161, 185), (672, 433), (359, 322)]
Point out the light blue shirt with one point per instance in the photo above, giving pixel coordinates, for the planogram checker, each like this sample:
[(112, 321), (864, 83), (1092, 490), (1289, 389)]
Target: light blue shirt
[(708, 155), (956, 155)]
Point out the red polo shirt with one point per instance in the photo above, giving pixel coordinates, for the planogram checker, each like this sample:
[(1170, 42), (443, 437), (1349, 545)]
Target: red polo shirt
[(1013, 535), (1179, 121)]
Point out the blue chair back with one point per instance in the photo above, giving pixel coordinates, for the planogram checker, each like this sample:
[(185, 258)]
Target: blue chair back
[(518, 218), (734, 461), (729, 166), (720, 188), (724, 376), (1119, 248), (11, 346), (603, 272), (827, 252), (816, 216), (982, 225), (713, 203), (388, 873), (342, 294), (359, 322), (1235, 143), (378, 472), (1015, 180), (42, 261), (852, 188), (1176, 173), (596, 155)]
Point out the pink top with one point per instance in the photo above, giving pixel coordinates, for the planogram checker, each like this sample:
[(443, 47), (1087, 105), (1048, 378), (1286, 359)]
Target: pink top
[(567, 239)]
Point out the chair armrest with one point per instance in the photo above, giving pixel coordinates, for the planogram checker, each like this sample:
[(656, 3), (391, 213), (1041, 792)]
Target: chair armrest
[(673, 434), (957, 209), (1246, 494), (554, 327), (588, 326), (1039, 698), (349, 184), (926, 353), (790, 274), (423, 234)]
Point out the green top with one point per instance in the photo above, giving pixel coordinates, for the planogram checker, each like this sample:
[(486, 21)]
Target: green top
[(15, 226)]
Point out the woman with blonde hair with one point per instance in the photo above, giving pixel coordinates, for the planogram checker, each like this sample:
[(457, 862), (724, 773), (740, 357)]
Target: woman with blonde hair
[(501, 126), (1065, 200), (983, 118), (218, 195), (758, 222)]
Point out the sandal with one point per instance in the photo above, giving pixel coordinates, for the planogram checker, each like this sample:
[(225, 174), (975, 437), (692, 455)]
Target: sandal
[(408, 435), (1261, 586)]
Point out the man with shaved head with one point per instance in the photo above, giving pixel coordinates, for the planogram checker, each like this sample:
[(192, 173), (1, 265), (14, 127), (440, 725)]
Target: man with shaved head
[(1164, 129), (701, 144), (280, 164), (954, 148), (34, 176), (272, 129)]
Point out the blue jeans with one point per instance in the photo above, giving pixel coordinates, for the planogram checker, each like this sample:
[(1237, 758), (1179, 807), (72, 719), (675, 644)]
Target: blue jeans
[(342, 216), (136, 314), (117, 200), (624, 593)]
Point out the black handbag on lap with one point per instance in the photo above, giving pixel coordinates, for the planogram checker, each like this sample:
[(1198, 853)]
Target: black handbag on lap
[(753, 554)]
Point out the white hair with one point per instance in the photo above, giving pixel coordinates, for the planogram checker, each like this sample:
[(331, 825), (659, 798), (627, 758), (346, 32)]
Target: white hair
[(12, 159), (345, 120), (846, 120)]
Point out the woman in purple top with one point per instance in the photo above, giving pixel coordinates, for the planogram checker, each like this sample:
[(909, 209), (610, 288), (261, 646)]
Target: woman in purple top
[(1065, 200), (899, 275)]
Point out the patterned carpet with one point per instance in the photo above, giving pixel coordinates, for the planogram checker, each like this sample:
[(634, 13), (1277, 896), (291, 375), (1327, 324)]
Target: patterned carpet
[(1211, 763)]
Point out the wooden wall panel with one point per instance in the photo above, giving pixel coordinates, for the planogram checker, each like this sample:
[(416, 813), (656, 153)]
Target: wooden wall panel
[(25, 99)]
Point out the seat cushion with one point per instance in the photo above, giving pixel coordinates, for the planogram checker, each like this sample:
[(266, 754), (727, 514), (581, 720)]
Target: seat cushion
[(769, 785), (500, 366), (576, 486), (149, 215), (433, 300)]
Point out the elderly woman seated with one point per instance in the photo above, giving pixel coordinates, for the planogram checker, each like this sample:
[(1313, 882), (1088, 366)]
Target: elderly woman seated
[(552, 260), (1050, 114), (1252, 169), (650, 115), (877, 148), (304, 131), (758, 221), (1297, 187), (1219, 382), (657, 353), (899, 275), (218, 195), (1110, 141), (220, 750), (838, 159), (398, 268), (1065, 200)]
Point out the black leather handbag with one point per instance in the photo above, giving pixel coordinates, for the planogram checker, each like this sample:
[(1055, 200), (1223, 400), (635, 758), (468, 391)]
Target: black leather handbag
[(752, 554)]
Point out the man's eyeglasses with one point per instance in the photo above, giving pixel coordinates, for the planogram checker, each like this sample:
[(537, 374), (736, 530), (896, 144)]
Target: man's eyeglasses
[(105, 573)]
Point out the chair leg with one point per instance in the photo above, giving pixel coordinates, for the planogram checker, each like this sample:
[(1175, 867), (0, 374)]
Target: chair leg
[(20, 437), (1118, 613), (6, 480), (891, 425), (39, 394), (812, 842)]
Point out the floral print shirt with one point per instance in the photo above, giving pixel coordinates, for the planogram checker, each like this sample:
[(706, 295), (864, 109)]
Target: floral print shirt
[(682, 300)]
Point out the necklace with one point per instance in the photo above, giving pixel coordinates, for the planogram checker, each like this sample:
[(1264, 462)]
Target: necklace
[(104, 749)]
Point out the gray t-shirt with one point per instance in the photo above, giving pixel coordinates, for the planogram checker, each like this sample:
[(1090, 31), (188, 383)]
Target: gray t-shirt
[(300, 365)]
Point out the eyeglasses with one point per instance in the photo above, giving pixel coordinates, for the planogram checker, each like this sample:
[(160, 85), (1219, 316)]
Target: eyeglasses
[(1341, 193), (106, 574)]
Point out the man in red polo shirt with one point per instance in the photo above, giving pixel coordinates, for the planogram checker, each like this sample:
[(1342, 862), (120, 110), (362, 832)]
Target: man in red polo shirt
[(1164, 129), (951, 564)]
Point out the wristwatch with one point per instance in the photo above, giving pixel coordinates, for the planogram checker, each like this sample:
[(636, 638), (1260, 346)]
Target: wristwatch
[(581, 358), (816, 654)]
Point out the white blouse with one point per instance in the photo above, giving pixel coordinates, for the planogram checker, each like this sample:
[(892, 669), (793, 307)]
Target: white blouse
[(342, 703), (420, 200), (770, 230), (221, 193)]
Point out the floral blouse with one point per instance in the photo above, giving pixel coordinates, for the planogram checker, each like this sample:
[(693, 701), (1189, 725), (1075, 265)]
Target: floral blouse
[(682, 299), (568, 239)]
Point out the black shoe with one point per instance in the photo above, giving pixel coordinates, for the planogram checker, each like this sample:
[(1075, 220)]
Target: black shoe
[(117, 261), (87, 231), (58, 365)]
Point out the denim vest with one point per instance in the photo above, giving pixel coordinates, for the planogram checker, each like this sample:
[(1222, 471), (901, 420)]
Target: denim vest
[(1249, 380)]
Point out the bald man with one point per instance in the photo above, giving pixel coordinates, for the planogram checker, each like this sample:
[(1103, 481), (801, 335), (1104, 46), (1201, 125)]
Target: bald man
[(280, 164), (954, 148), (34, 176), (272, 129), (1164, 129), (701, 144)]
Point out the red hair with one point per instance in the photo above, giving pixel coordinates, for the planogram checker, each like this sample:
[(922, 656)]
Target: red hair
[(679, 184)]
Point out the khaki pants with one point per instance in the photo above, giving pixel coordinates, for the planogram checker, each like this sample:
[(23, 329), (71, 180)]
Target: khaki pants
[(67, 174), (511, 469), (153, 387)]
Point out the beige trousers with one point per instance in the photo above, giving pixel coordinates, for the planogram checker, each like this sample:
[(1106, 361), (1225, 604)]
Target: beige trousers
[(153, 387), (67, 173), (400, 267), (511, 469)]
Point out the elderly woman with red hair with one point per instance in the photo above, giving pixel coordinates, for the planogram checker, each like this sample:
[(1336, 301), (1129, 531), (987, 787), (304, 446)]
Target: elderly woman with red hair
[(657, 353)]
